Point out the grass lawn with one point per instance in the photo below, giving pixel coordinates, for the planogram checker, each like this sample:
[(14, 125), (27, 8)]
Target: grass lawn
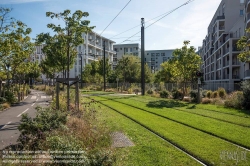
[(204, 146), (148, 150), (228, 131)]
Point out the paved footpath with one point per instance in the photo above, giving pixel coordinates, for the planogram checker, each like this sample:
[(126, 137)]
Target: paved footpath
[(10, 118)]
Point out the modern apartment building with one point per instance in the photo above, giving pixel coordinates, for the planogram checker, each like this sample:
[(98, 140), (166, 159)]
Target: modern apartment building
[(219, 51), (91, 50), (154, 58), (125, 49)]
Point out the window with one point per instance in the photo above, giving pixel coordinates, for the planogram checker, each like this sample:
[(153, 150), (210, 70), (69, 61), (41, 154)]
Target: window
[(131, 49), (162, 54), (79, 48), (115, 49), (241, 12), (157, 54), (120, 48), (241, 1)]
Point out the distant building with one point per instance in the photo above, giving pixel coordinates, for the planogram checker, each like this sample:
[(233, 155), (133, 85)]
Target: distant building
[(125, 49), (91, 50), (154, 58)]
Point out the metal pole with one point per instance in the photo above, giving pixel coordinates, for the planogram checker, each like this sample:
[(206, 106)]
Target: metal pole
[(142, 58), (104, 67), (81, 71), (68, 87)]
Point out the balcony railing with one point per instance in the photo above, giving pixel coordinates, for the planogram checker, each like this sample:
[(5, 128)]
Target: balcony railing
[(226, 50), (226, 63), (236, 77), (247, 73), (218, 77), (235, 63), (248, 16), (236, 49), (221, 27)]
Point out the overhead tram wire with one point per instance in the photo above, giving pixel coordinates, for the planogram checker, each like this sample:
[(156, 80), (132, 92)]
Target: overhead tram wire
[(189, 1), (116, 16)]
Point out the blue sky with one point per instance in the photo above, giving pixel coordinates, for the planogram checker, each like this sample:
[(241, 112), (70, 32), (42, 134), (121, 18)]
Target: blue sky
[(187, 23)]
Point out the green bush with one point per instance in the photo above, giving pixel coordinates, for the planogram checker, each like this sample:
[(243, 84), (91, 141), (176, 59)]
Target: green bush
[(46, 119), (215, 94), (164, 94), (2, 100), (194, 95), (10, 97), (209, 94), (177, 94), (222, 93), (150, 91), (204, 93), (235, 100), (245, 86)]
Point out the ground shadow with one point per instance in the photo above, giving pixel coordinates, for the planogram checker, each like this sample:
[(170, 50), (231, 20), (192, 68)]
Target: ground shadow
[(165, 103), (192, 107)]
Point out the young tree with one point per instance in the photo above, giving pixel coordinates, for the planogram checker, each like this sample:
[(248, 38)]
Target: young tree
[(183, 65), (70, 35), (244, 45)]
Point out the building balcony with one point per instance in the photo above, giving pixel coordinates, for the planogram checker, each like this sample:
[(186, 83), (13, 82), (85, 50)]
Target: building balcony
[(235, 49), (218, 77), (222, 28), (236, 63), (248, 6), (248, 19), (235, 76), (247, 73)]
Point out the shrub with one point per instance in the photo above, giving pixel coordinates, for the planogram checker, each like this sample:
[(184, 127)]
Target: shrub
[(215, 94), (130, 91), (206, 101), (209, 94), (222, 93), (32, 129), (235, 100), (164, 94), (177, 94), (2, 100), (217, 101), (150, 91), (10, 97), (194, 95), (245, 86), (204, 93)]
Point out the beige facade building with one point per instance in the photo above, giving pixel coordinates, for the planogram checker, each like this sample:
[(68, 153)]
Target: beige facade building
[(219, 51)]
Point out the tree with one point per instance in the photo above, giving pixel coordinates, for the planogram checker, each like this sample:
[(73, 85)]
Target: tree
[(244, 46), (182, 66), (69, 36), (6, 22), (165, 74)]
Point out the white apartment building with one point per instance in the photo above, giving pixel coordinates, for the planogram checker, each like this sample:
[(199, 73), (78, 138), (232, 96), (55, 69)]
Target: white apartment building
[(125, 49), (219, 51), (154, 58), (91, 50)]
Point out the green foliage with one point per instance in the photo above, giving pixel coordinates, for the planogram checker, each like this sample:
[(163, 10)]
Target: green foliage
[(177, 94), (235, 100), (209, 94), (222, 92), (243, 46), (10, 97), (61, 48), (2, 100), (215, 94), (182, 65), (245, 86), (46, 120), (164, 94), (150, 91), (194, 95)]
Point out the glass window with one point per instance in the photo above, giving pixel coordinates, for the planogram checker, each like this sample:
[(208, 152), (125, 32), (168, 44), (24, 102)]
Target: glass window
[(131, 49), (241, 12)]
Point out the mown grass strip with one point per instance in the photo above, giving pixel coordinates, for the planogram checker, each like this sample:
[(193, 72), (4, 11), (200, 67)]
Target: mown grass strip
[(148, 150), (204, 146), (230, 132), (238, 120)]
